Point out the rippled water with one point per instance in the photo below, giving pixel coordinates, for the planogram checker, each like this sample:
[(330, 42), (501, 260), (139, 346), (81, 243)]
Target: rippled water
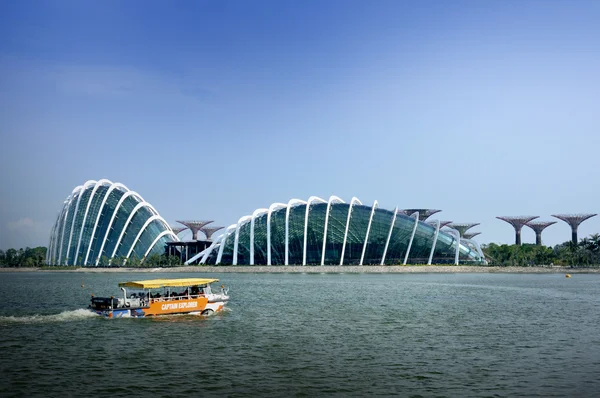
[(454, 335)]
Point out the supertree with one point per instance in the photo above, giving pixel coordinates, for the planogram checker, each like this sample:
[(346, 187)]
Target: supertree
[(517, 223), (442, 223), (573, 220), (470, 235), (538, 227), (462, 227), (209, 231), (194, 226), (177, 230), (424, 214)]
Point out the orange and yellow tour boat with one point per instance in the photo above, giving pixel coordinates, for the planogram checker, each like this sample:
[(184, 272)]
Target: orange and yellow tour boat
[(162, 297)]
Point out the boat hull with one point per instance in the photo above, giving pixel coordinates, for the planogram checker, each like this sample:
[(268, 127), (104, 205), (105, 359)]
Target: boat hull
[(158, 307)]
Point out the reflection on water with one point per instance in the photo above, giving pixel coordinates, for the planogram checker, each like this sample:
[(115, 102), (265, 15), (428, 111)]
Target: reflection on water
[(309, 334)]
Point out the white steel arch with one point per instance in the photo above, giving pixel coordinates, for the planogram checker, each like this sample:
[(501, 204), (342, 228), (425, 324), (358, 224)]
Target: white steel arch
[(240, 222), (308, 204), (333, 199), (112, 218), (456, 234), (51, 252), (435, 236), (106, 195), (205, 253), (387, 243), (352, 203), (61, 221), (415, 215), (126, 225), (291, 203), (163, 233), (256, 213), (62, 237), (81, 193), (362, 256), (148, 221), (98, 184), (477, 247), (52, 237), (224, 241), (274, 206)]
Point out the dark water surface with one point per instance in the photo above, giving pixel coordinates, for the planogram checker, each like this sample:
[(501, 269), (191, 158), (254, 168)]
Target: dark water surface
[(455, 335)]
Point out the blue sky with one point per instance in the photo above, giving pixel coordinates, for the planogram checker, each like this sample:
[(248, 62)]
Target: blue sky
[(211, 109)]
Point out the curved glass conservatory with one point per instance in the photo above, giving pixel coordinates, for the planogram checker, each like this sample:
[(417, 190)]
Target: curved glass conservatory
[(103, 223), (320, 232)]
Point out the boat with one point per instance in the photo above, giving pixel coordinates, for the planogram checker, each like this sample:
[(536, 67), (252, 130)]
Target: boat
[(157, 297)]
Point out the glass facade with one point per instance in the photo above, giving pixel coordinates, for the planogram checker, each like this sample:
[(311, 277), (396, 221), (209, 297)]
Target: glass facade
[(335, 233), (103, 222)]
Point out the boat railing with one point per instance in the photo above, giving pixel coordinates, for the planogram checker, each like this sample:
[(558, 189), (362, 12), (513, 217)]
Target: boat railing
[(176, 298)]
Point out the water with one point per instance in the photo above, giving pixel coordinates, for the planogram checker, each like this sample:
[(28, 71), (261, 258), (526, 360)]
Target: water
[(454, 335)]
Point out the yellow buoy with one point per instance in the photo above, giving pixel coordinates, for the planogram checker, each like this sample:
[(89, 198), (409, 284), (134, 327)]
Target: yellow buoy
[(567, 275)]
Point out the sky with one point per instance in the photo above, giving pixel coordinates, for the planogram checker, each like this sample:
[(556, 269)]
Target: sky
[(212, 109)]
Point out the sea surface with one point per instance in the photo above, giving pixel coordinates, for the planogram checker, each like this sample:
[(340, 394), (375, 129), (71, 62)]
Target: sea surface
[(304, 335)]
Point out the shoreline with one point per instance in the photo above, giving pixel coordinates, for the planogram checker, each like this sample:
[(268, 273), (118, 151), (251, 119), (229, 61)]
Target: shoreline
[(346, 269)]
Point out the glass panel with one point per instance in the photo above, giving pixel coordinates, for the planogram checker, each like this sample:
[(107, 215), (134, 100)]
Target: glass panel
[(278, 237), (422, 243), (357, 231), (336, 228), (295, 234), (399, 241), (314, 241), (380, 227), (107, 212)]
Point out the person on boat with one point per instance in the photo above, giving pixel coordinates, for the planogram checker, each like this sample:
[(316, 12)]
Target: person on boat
[(194, 290)]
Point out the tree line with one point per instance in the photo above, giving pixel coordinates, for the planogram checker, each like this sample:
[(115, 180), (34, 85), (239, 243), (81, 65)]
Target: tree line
[(28, 257), (584, 253)]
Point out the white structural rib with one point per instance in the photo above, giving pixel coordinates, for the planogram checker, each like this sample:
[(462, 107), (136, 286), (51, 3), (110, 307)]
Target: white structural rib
[(240, 222), (308, 204), (456, 234), (352, 203), (415, 215), (362, 256), (224, 241), (52, 237), (332, 200), (51, 253), (163, 233), (112, 218), (435, 236), (106, 195), (85, 186), (387, 243), (126, 225), (257, 212), (274, 206), (61, 231), (473, 244), (98, 184), (291, 203), (70, 199), (148, 221), (205, 253)]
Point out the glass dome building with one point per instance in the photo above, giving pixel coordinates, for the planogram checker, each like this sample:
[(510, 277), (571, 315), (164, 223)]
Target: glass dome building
[(102, 222), (320, 232)]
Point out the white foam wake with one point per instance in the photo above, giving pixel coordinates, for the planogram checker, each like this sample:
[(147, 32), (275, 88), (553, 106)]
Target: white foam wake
[(64, 316)]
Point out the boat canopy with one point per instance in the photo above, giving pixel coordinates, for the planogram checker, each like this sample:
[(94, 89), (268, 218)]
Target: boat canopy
[(158, 283)]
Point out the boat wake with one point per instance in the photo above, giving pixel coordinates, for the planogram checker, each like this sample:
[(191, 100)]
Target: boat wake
[(65, 316)]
